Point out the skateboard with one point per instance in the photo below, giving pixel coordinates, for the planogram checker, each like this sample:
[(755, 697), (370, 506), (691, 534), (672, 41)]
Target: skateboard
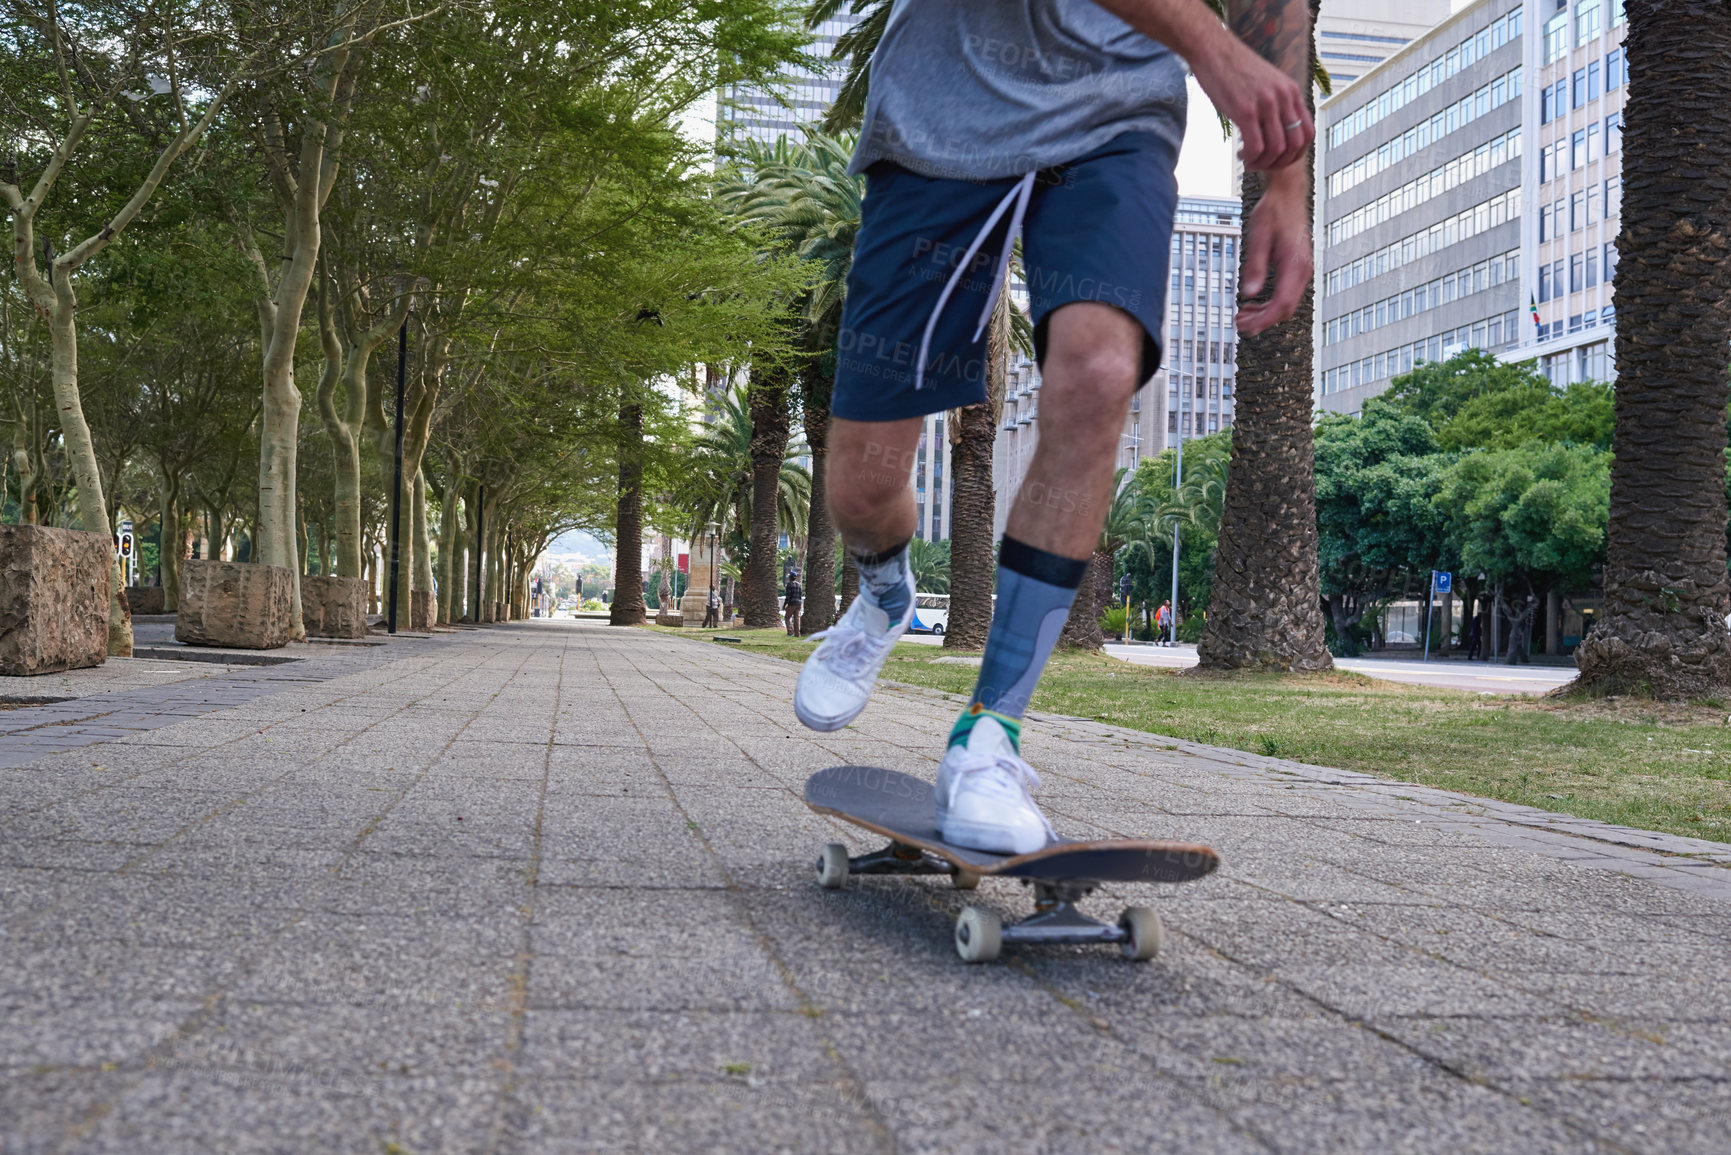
[(901, 808)]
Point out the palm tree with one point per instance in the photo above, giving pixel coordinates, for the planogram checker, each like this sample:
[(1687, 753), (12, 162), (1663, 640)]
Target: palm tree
[(1123, 522), (930, 561), (1663, 630), (803, 194), (1266, 608), (718, 481)]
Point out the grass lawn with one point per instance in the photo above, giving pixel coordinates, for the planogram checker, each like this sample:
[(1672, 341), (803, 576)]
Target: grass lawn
[(1628, 761)]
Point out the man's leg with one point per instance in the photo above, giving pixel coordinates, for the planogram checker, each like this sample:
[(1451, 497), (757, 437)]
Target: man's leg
[(872, 504), (873, 509), (1093, 366)]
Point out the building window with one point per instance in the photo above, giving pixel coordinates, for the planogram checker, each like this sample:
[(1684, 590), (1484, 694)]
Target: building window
[(1578, 149), (1579, 87), (1613, 133), (1586, 22), (1557, 37), (1593, 81)]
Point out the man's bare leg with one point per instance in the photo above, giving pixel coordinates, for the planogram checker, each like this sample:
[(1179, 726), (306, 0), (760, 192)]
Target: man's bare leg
[(1093, 367), (869, 465)]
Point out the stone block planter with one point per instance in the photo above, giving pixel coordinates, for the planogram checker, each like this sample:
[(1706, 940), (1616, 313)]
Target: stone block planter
[(420, 610), (334, 607), (146, 599), (236, 604), (53, 599)]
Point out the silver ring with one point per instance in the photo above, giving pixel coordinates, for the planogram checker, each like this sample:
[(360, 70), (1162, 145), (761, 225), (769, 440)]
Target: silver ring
[(1295, 124)]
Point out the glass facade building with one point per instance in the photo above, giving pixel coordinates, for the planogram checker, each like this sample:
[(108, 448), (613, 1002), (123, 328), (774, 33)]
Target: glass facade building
[(1469, 197)]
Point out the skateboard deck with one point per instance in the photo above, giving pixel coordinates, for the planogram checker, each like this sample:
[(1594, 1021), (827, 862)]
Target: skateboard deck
[(901, 808)]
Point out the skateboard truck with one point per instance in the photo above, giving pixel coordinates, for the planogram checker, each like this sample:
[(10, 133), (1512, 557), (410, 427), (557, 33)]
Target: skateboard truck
[(834, 865), (980, 933)]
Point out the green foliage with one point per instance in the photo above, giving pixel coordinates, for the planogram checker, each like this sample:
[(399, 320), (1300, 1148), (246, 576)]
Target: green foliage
[(1536, 513), (930, 561)]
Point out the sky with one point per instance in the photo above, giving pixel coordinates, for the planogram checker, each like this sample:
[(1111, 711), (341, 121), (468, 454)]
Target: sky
[(1205, 163)]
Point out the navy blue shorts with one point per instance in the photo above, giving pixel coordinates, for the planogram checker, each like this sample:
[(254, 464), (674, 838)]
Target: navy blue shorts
[(1097, 229)]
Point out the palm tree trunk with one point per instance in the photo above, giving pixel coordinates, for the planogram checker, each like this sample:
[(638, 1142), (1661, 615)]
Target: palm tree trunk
[(1265, 609), (973, 503), (972, 506), (769, 422), (819, 530), (1082, 628), (628, 607), (1663, 631)]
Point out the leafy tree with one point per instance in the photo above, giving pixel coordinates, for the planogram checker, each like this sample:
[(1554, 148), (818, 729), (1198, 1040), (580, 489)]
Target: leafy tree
[(1377, 527), (1530, 518)]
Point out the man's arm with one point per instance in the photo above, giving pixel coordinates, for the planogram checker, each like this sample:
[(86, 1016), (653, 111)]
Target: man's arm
[(1255, 74)]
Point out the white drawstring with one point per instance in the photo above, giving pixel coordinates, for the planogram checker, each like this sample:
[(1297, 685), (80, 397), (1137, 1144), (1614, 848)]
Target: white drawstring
[(1020, 195)]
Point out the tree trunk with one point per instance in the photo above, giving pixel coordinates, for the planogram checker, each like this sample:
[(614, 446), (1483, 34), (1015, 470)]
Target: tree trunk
[(973, 499), (81, 450), (972, 509), (627, 608), (423, 537), (1082, 628), (767, 396), (819, 529), (1663, 631), (171, 542), (449, 552), (1265, 610), (849, 581)]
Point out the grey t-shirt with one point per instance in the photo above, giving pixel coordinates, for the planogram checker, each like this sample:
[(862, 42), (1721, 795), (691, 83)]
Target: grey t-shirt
[(985, 89)]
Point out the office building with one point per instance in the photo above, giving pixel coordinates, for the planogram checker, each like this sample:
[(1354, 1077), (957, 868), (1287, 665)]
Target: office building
[(1354, 36), (1192, 393), (1470, 197), (1574, 190), (1421, 204), (755, 114)]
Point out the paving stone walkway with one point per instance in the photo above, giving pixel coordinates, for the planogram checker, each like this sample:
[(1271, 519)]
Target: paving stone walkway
[(548, 888)]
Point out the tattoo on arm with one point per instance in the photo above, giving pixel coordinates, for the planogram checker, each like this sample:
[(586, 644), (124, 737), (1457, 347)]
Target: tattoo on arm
[(1278, 31)]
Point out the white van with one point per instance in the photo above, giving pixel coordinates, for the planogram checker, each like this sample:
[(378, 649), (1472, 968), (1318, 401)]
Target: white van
[(931, 613)]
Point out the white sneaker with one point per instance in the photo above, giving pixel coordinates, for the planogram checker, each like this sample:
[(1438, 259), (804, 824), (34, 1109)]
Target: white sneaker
[(836, 682), (983, 795)]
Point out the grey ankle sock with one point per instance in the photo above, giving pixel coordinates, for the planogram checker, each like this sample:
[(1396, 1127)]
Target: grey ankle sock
[(884, 576)]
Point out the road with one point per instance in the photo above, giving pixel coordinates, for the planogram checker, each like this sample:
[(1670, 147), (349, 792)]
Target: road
[(1483, 677)]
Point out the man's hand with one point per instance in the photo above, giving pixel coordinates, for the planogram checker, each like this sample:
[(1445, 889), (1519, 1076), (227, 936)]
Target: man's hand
[(1255, 74), (1265, 105), (1278, 235)]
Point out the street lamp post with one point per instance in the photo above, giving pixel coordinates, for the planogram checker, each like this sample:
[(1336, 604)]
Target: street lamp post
[(711, 600), (1177, 480)]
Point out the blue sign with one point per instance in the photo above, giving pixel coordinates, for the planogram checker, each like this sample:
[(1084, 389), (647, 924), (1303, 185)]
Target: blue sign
[(1441, 582)]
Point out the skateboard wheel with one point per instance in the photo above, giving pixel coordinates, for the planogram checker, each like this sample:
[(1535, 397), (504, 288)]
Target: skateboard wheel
[(832, 866), (979, 935), (1144, 933), (964, 880)]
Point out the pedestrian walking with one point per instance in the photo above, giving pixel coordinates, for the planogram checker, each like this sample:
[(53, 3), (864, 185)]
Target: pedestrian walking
[(793, 603), (712, 610), (1163, 622)]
